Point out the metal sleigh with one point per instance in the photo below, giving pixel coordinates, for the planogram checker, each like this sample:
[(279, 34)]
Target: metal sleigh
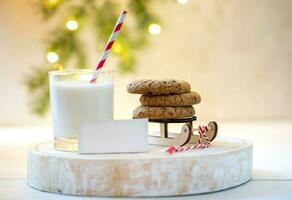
[(187, 135)]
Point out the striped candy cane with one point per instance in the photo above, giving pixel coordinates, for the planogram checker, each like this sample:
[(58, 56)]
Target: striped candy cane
[(202, 130), (109, 44)]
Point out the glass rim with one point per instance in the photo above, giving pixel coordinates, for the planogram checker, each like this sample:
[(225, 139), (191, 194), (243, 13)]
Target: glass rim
[(78, 71)]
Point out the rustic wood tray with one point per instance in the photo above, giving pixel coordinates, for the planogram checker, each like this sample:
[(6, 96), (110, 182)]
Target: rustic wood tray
[(227, 163)]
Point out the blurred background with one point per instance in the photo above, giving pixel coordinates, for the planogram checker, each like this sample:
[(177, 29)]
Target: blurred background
[(236, 54)]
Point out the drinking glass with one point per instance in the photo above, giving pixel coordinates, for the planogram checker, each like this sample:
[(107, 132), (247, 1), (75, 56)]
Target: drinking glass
[(75, 100)]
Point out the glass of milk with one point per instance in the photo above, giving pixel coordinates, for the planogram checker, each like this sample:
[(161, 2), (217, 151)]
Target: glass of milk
[(74, 100)]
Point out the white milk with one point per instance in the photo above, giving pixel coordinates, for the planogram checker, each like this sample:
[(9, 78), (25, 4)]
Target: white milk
[(75, 102)]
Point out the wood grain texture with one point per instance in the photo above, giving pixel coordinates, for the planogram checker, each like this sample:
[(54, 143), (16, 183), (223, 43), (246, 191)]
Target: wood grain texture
[(226, 164)]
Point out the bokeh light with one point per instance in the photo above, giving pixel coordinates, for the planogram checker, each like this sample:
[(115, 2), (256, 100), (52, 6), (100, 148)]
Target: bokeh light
[(58, 67), (52, 57), (154, 29), (51, 3), (182, 2), (117, 48), (72, 25)]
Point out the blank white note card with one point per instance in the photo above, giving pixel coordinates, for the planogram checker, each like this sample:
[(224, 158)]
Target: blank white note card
[(113, 136)]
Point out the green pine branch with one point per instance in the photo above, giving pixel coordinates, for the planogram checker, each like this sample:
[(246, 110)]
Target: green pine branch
[(101, 15)]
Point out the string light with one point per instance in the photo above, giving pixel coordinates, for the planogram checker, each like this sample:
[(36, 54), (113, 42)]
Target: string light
[(52, 57), (182, 2), (154, 29), (72, 25)]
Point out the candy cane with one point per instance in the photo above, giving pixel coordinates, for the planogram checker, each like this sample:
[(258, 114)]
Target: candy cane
[(202, 130)]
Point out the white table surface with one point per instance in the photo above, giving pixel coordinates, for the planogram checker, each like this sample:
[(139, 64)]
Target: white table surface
[(272, 167)]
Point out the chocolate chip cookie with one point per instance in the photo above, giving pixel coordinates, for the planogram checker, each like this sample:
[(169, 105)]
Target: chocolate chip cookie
[(186, 99), (163, 112), (158, 87)]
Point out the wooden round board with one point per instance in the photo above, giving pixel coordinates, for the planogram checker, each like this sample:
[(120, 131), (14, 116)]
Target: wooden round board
[(227, 163)]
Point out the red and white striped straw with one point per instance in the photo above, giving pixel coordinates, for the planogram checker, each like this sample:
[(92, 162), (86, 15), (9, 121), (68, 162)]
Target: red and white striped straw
[(109, 44)]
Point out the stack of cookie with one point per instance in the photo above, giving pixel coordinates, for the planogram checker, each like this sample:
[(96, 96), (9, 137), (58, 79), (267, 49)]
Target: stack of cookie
[(164, 99)]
